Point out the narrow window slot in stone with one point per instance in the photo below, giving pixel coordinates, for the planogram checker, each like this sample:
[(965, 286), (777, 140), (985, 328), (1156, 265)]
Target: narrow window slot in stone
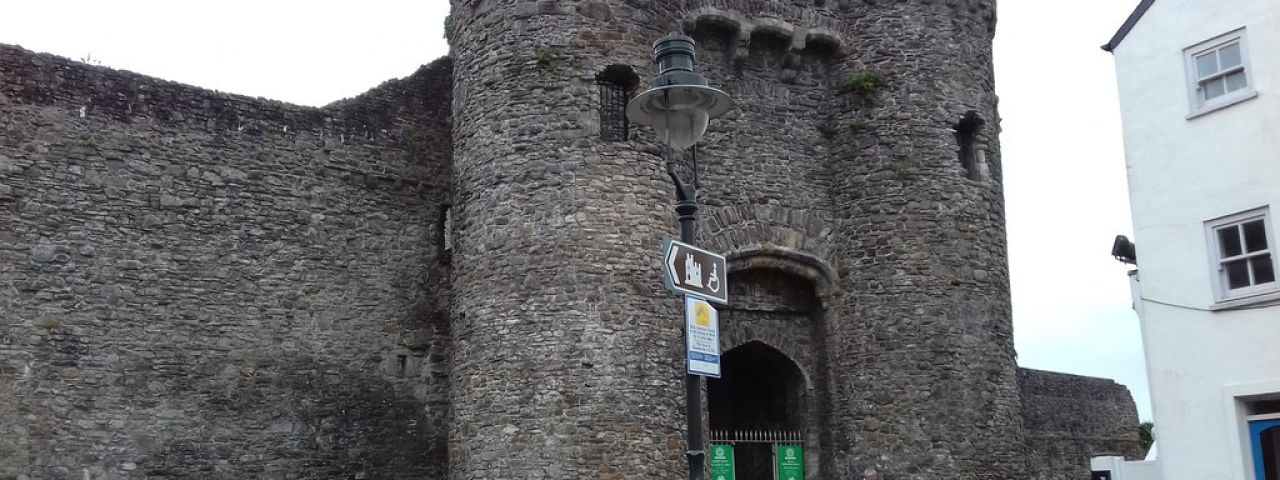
[(401, 362), (968, 133), (444, 226)]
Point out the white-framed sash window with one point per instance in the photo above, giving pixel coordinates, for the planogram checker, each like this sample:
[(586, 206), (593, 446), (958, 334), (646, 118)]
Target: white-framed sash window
[(1243, 247), (1218, 72)]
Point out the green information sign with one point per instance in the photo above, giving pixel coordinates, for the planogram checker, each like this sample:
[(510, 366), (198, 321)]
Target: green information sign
[(790, 459), (722, 462)]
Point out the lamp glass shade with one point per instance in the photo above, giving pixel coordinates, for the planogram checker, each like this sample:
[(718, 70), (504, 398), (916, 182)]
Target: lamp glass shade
[(679, 114), (685, 127)]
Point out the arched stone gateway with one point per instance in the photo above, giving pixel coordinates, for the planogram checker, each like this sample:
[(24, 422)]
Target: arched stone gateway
[(761, 400), (773, 384)]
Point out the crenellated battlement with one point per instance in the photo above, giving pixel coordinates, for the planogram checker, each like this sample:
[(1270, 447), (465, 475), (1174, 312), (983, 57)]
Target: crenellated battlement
[(825, 32), (835, 15), (822, 36), (807, 13)]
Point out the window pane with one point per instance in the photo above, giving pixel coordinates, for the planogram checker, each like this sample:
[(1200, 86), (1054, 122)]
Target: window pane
[(1263, 270), (1255, 236), (1237, 273), (1214, 88), (1236, 81), (1230, 55), (1207, 64), (1229, 239)]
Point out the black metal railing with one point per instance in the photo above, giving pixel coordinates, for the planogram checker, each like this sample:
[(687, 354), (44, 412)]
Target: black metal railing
[(756, 436)]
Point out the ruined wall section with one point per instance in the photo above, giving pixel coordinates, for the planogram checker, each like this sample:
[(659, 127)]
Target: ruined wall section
[(923, 364), (202, 285), (1070, 419)]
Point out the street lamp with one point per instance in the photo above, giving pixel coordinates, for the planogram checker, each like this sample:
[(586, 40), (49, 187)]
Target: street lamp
[(680, 104), (679, 107)]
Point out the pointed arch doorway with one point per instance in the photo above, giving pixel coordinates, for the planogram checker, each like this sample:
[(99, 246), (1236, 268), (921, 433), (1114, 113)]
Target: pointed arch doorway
[(758, 403)]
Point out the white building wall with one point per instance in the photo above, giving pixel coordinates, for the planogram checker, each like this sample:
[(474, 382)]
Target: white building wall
[(1122, 469), (1183, 172)]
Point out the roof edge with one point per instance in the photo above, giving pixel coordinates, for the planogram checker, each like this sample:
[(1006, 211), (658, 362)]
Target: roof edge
[(1128, 25)]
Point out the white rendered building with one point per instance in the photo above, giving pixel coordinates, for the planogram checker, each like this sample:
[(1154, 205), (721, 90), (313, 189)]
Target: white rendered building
[(1199, 84)]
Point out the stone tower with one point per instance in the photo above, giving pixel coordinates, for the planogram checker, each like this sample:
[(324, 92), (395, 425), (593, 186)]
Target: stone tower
[(856, 190), (564, 340)]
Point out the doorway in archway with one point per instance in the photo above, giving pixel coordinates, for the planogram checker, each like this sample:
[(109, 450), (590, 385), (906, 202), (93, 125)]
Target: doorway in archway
[(757, 403)]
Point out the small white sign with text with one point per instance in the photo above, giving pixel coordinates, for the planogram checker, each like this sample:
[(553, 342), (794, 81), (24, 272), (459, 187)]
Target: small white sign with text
[(702, 337)]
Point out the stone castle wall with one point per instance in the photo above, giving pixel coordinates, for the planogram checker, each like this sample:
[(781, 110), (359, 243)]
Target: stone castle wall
[(1070, 418), (201, 285)]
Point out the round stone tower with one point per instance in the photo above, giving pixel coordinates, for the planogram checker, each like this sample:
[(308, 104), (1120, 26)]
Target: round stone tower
[(856, 190), (924, 376), (566, 348)]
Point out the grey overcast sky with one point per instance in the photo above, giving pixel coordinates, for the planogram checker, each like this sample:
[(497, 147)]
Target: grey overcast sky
[(1064, 161)]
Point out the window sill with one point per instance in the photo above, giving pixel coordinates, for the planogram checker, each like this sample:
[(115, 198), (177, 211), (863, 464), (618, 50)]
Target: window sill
[(1256, 299), (1207, 109)]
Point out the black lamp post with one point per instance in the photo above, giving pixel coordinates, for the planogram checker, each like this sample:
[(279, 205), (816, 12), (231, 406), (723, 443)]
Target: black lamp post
[(679, 107)]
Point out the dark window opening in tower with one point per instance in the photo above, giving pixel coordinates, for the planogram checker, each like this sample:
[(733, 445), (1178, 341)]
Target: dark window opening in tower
[(968, 133), (444, 232), (616, 83)]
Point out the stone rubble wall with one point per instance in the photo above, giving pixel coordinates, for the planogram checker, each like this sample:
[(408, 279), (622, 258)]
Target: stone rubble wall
[(1070, 419), (202, 285), (923, 365), (566, 349)]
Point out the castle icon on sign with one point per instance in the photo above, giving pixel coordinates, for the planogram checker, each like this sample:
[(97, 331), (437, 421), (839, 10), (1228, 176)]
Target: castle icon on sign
[(692, 272), (689, 270)]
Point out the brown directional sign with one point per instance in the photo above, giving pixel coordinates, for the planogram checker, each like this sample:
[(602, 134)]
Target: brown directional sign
[(693, 271)]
